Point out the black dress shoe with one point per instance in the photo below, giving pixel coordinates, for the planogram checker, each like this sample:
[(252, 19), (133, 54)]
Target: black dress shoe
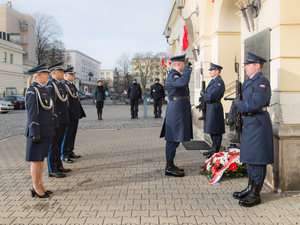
[(48, 192), (75, 156), (57, 175), (68, 160), (61, 169), (33, 194), (132, 117)]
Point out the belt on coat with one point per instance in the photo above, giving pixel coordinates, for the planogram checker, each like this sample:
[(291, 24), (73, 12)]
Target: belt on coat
[(216, 101), (178, 97), (263, 109)]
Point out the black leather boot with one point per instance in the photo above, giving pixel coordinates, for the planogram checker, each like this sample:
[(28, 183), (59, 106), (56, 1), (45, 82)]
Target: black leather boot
[(242, 194), (215, 148), (172, 170), (253, 198), (100, 114)]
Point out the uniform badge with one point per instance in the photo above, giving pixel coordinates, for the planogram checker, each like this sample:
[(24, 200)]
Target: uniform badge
[(176, 76), (46, 101), (262, 86), (219, 84), (63, 95)]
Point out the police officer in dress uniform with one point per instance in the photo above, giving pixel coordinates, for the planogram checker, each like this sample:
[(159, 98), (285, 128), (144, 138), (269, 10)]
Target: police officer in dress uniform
[(60, 98), (134, 95), (157, 94), (40, 127), (214, 121), (257, 135), (76, 113), (177, 126)]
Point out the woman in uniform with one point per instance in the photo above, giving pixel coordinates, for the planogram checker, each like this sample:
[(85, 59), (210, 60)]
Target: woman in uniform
[(39, 128)]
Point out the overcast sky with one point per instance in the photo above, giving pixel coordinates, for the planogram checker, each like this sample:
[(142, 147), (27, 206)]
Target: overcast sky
[(103, 29)]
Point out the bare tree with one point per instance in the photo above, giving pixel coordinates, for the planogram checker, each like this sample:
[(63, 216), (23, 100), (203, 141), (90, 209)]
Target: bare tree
[(123, 66), (47, 33)]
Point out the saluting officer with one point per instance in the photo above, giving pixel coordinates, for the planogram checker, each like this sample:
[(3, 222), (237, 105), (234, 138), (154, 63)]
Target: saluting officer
[(40, 127), (60, 97), (214, 121), (178, 122), (134, 95), (76, 113), (157, 94), (257, 133)]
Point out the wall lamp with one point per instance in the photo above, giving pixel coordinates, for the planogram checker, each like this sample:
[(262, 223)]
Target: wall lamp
[(196, 52), (167, 34), (180, 6), (253, 10)]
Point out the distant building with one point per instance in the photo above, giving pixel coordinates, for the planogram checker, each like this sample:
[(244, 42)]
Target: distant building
[(110, 78), (124, 80), (87, 69)]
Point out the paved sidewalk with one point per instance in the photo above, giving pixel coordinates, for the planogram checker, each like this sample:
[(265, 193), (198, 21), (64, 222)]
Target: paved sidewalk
[(120, 180)]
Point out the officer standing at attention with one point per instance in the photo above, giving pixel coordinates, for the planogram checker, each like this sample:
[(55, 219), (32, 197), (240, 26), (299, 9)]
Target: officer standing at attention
[(76, 113), (257, 133), (157, 94), (40, 127), (60, 98), (214, 121), (134, 95), (178, 122)]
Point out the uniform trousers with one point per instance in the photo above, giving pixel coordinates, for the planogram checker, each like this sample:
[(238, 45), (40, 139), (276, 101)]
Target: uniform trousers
[(157, 103), (257, 173), (69, 140), (171, 147), (216, 139), (54, 156), (134, 107)]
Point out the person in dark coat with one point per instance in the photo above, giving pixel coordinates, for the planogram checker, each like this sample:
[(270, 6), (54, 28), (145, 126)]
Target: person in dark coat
[(157, 93), (99, 98), (76, 113), (134, 95), (177, 126), (257, 134), (40, 127), (59, 94), (214, 121)]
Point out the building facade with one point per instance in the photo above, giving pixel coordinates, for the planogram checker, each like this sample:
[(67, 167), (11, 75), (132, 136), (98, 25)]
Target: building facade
[(220, 32), (87, 69), (110, 78)]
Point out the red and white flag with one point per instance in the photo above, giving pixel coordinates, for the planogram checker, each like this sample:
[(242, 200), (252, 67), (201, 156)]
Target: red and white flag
[(185, 34), (212, 1), (170, 53), (163, 63)]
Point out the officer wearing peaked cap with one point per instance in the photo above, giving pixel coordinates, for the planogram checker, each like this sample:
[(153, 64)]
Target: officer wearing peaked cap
[(76, 113), (134, 95), (257, 133), (157, 93), (40, 127), (214, 121), (178, 122), (59, 95)]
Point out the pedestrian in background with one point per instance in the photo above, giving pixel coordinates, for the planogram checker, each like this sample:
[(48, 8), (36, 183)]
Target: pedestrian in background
[(214, 121), (178, 121), (40, 127), (157, 93), (257, 148), (99, 98), (59, 94), (134, 95), (76, 113)]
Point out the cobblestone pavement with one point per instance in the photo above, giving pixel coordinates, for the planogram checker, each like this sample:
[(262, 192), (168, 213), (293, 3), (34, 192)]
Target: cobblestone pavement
[(120, 180)]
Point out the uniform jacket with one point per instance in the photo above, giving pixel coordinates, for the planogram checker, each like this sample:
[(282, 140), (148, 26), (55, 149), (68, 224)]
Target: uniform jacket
[(257, 132), (99, 94), (75, 107), (178, 122), (157, 91), (61, 108), (40, 121), (134, 91), (214, 121)]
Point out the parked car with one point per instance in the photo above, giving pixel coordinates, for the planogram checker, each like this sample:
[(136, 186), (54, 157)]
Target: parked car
[(82, 96), (5, 106), (124, 94), (18, 101)]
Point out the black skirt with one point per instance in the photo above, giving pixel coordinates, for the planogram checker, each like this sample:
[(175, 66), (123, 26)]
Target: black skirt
[(99, 105), (37, 152)]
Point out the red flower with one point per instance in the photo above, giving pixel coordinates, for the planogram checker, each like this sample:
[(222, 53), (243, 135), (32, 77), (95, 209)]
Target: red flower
[(219, 154), (232, 166)]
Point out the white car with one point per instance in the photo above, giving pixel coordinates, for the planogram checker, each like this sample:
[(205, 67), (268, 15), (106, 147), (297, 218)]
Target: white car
[(5, 106)]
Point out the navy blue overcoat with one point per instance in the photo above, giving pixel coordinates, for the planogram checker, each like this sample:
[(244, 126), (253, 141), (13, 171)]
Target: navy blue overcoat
[(214, 121), (178, 122), (257, 132)]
